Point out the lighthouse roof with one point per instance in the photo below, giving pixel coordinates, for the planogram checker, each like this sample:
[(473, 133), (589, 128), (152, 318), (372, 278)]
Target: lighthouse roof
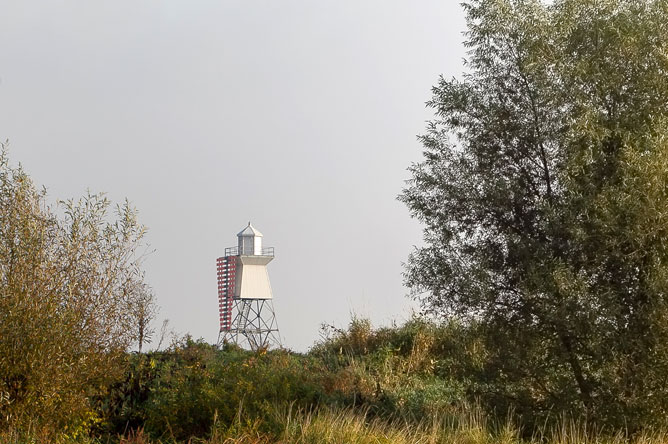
[(249, 231)]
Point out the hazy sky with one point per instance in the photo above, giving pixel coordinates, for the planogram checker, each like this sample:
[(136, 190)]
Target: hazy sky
[(300, 116)]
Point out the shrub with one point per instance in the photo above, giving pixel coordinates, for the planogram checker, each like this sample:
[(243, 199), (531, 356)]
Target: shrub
[(65, 285)]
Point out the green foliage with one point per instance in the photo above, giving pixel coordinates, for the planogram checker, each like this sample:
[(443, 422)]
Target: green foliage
[(410, 372), (65, 285), (411, 383), (181, 392), (543, 194)]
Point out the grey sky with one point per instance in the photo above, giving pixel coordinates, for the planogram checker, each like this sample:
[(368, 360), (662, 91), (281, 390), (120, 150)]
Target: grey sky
[(300, 116)]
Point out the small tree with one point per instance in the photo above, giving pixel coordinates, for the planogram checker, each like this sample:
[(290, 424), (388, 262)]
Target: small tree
[(543, 194), (66, 287), (144, 311)]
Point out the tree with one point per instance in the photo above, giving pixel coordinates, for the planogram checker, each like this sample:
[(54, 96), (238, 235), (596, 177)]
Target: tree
[(67, 281), (144, 310), (544, 195)]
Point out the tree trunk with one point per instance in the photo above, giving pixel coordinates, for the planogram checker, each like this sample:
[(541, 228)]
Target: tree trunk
[(576, 368)]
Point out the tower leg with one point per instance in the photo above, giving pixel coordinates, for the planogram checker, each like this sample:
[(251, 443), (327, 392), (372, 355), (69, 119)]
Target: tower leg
[(253, 326)]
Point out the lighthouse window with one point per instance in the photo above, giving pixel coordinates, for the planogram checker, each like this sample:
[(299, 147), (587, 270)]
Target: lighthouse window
[(247, 245)]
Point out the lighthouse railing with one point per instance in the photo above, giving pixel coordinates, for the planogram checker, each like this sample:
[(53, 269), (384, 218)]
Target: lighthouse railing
[(234, 251)]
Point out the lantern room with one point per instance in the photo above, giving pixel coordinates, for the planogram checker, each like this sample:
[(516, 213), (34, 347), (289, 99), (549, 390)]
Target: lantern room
[(250, 241)]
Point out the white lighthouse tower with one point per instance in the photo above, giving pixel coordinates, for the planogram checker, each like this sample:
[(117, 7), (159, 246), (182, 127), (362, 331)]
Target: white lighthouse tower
[(245, 300)]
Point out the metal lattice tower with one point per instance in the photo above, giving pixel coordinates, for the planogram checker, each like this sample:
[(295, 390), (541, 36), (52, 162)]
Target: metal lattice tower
[(245, 300)]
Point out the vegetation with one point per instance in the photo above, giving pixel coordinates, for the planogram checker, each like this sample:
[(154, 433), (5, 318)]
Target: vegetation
[(543, 192), (391, 385), (66, 285)]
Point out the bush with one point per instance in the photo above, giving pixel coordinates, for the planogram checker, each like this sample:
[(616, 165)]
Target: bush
[(181, 392), (66, 283)]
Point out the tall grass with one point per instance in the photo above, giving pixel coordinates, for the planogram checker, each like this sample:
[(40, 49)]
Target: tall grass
[(337, 426), (467, 426), (34, 435), (351, 426)]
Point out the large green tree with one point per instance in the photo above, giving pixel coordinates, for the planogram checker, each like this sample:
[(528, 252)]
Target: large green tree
[(69, 281), (544, 195)]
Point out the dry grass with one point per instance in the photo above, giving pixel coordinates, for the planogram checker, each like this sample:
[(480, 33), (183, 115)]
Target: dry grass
[(470, 426), (346, 426)]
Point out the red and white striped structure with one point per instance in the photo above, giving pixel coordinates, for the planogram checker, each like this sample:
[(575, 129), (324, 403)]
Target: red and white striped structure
[(226, 268)]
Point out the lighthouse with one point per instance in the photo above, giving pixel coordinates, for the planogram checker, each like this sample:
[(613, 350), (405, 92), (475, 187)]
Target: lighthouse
[(245, 300)]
